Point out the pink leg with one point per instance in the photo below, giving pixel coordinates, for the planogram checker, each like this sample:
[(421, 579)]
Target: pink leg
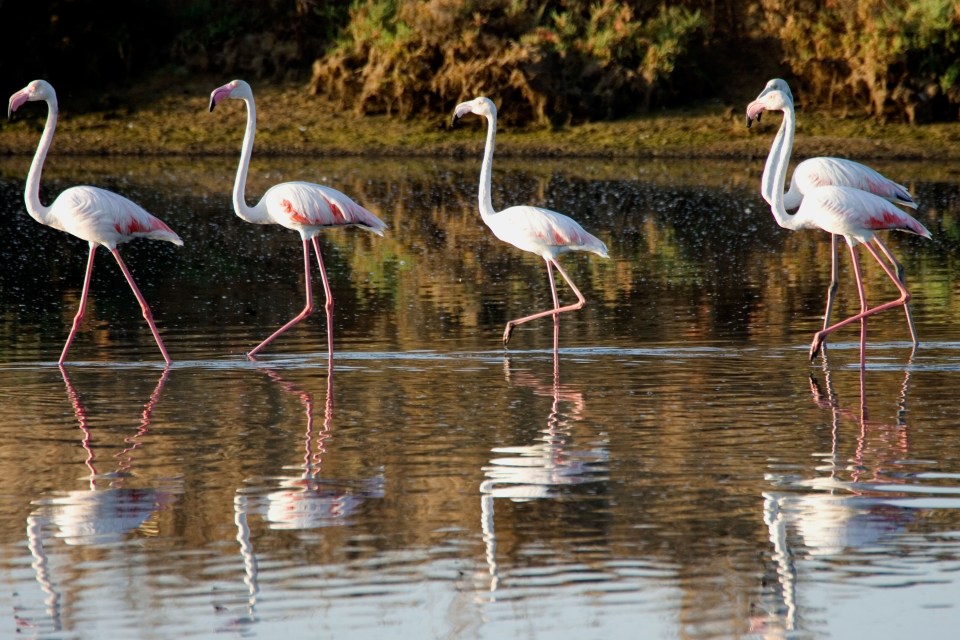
[(906, 307), (834, 278), (329, 304), (557, 309), (307, 310), (899, 302), (147, 315), (83, 304)]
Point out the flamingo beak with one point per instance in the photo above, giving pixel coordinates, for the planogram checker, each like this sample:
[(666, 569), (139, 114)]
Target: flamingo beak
[(218, 94), (754, 111), (16, 100), (462, 109)]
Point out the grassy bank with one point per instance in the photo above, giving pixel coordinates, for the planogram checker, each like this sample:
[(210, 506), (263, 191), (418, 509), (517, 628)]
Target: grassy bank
[(173, 118)]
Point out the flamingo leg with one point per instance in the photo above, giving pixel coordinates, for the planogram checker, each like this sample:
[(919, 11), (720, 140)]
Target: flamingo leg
[(863, 321), (307, 309), (329, 303), (83, 304), (834, 278), (904, 298), (557, 309), (906, 307), (144, 307)]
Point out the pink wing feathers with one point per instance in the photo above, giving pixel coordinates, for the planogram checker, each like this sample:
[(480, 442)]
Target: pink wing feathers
[(840, 172), (854, 213), (541, 230), (304, 204), (107, 218)]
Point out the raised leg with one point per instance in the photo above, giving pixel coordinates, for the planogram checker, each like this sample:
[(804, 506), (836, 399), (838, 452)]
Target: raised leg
[(83, 304), (906, 307), (904, 298), (329, 303), (144, 307), (557, 309), (307, 309)]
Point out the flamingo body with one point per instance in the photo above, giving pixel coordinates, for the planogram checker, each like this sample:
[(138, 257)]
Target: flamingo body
[(543, 232), (819, 172), (537, 230), (844, 211), (308, 208), (828, 171), (854, 214), (96, 215), (304, 207), (106, 218)]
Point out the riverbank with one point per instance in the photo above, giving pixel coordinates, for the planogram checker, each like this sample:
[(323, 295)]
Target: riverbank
[(173, 118)]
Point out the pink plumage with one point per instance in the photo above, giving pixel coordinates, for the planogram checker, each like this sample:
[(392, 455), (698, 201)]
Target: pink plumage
[(96, 215), (840, 172), (856, 207), (304, 207), (104, 217), (541, 231)]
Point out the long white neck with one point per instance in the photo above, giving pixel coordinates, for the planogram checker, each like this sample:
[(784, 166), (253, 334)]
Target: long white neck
[(31, 193), (769, 169), (256, 215), (774, 178), (486, 169)]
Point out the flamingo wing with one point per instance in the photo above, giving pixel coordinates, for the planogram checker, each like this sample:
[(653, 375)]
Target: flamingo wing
[(107, 218), (543, 231), (854, 213), (840, 172), (303, 204)]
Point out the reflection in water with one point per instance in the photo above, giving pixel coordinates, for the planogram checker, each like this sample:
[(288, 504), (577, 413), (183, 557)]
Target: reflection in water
[(99, 514), (834, 516), (529, 472), (306, 500), (250, 569)]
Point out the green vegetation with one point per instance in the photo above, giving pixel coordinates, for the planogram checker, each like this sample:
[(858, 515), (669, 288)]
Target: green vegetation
[(556, 63), (552, 62)]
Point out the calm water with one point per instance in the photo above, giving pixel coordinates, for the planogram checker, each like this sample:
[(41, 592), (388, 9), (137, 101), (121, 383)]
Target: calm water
[(677, 469)]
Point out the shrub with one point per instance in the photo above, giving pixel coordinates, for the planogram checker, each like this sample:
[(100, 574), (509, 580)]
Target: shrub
[(893, 58), (551, 61)]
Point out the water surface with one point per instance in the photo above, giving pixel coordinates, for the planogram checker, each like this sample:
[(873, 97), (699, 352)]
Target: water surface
[(676, 469)]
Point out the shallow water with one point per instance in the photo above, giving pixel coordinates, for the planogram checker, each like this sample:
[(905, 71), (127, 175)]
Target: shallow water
[(676, 469)]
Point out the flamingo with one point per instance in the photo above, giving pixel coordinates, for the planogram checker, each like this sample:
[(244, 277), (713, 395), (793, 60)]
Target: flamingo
[(534, 229), (823, 171), (96, 215), (841, 210), (302, 206)]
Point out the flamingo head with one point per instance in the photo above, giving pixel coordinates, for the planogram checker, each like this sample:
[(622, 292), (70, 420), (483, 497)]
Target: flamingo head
[(36, 90), (238, 89), (776, 96), (480, 106)]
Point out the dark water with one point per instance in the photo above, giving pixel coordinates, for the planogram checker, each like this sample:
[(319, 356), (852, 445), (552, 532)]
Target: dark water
[(677, 469)]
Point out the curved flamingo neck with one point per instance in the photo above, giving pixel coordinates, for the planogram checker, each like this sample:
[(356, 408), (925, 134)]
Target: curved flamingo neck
[(244, 211), (775, 176), (486, 169), (769, 169), (31, 192)]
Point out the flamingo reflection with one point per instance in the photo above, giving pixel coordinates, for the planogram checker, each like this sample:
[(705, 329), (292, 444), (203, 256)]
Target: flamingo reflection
[(538, 470), (102, 513), (843, 509), (304, 501), (309, 500)]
